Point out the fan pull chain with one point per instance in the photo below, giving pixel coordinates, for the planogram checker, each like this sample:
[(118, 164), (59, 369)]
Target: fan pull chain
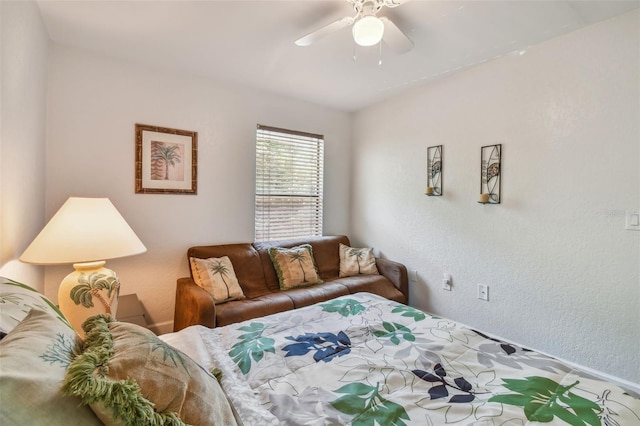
[(355, 53)]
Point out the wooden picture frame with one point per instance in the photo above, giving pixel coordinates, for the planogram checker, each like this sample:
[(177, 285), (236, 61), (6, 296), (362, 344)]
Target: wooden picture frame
[(166, 160)]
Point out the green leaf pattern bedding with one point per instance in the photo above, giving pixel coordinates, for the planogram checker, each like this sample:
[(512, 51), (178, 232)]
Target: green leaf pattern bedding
[(364, 360)]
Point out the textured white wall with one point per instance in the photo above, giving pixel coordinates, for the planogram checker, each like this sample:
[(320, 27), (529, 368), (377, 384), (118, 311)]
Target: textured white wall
[(25, 47), (563, 272), (94, 103)]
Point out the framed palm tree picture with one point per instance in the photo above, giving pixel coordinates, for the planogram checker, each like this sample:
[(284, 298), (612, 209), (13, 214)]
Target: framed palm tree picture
[(166, 160)]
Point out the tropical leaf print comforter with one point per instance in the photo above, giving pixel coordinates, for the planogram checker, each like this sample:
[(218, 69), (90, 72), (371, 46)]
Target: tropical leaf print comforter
[(364, 360)]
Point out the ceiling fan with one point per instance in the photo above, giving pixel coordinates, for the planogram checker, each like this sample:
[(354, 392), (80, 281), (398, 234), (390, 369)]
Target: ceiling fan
[(368, 29)]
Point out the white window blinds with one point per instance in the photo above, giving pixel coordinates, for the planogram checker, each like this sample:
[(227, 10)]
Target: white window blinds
[(289, 169)]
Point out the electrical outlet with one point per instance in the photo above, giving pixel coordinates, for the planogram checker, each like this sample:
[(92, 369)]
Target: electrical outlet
[(446, 282), (483, 292)]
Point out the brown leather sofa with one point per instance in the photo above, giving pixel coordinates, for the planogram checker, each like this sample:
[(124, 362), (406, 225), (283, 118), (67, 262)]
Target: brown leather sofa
[(259, 282)]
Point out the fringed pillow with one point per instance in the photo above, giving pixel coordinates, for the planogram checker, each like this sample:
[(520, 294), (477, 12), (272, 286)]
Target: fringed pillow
[(129, 376), (356, 261), (216, 275), (296, 266)]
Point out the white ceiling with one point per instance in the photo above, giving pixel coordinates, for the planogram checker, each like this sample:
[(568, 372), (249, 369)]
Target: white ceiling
[(252, 42)]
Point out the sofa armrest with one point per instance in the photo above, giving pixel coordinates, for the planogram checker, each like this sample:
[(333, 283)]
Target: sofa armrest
[(396, 273), (194, 306)]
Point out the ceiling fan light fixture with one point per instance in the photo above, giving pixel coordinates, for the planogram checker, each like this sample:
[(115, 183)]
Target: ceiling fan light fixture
[(368, 31)]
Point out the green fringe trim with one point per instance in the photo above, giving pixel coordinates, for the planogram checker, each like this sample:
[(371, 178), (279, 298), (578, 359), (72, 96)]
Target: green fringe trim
[(276, 265), (217, 373), (87, 378)]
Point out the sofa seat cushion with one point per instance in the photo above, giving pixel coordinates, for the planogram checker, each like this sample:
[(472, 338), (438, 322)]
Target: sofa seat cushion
[(376, 284), (241, 310), (310, 295)]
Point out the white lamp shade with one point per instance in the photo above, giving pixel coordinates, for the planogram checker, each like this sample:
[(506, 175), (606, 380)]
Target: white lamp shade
[(368, 31), (83, 230)]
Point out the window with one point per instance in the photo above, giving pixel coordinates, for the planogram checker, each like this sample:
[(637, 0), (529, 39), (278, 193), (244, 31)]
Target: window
[(289, 169)]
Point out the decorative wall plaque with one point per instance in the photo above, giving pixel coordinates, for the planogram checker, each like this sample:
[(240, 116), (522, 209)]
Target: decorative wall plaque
[(434, 171), (490, 174)]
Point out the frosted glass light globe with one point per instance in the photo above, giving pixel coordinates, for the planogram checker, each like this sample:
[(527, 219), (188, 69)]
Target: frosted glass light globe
[(368, 31)]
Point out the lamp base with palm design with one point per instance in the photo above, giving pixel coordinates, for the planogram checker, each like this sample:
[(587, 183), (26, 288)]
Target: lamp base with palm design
[(89, 290)]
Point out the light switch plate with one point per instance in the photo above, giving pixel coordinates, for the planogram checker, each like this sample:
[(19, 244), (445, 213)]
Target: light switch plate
[(446, 282), (483, 292), (632, 221)]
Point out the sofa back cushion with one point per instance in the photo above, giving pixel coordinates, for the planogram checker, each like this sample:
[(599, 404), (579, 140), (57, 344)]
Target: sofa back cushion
[(326, 251), (246, 264)]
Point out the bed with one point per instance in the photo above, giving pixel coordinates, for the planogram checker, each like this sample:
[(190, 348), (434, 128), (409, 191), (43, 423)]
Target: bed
[(363, 360), (358, 359)]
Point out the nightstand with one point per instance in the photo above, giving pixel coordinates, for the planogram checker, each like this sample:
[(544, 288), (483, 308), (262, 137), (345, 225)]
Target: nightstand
[(130, 310)]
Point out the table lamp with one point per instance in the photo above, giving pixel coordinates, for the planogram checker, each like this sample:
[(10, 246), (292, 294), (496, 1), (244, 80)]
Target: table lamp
[(85, 232)]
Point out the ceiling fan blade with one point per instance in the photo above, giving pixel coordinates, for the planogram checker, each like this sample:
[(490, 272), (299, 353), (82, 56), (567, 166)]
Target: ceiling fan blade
[(394, 37), (324, 31)]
